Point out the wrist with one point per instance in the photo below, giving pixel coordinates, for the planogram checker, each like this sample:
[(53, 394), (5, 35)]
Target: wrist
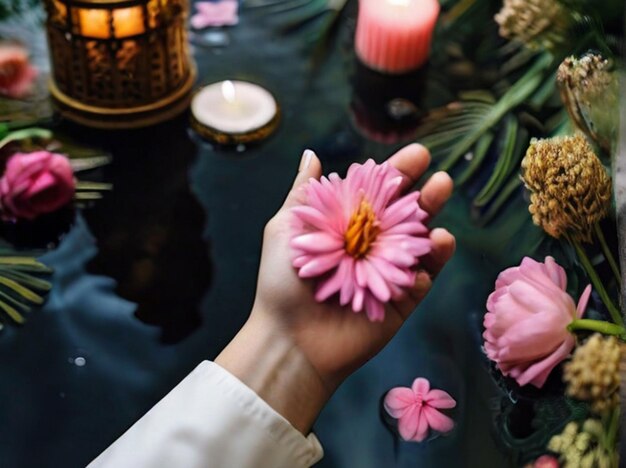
[(270, 363)]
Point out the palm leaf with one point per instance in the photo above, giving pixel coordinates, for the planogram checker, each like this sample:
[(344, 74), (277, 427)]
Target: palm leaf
[(22, 285)]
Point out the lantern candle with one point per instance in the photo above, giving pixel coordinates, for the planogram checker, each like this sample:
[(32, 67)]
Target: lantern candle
[(394, 36), (232, 112), (126, 22), (119, 63)]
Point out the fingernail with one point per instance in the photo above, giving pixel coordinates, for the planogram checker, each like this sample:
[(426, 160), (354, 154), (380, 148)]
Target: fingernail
[(306, 160)]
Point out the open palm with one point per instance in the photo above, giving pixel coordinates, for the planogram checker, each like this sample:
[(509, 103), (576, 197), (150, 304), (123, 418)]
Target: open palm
[(334, 340)]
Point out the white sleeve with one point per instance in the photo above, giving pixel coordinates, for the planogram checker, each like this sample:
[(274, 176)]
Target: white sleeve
[(211, 420)]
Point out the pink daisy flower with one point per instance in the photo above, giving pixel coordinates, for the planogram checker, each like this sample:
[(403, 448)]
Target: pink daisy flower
[(359, 238), (416, 410)]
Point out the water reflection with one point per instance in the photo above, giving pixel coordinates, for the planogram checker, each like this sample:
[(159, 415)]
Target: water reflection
[(149, 229)]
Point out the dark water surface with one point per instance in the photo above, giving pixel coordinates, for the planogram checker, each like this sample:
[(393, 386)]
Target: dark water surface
[(161, 274)]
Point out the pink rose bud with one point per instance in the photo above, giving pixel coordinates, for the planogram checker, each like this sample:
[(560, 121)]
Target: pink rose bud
[(34, 184), (16, 73), (526, 324)]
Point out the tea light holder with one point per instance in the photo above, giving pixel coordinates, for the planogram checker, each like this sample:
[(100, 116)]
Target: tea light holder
[(234, 112), (119, 63)]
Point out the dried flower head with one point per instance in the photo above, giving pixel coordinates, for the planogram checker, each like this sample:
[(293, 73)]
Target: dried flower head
[(535, 23), (580, 447), (570, 189), (590, 91), (592, 374)]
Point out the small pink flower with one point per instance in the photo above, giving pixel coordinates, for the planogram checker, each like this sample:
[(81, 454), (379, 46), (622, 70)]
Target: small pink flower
[(359, 238), (34, 184), (221, 13), (416, 410), (546, 461), (526, 323), (16, 73)]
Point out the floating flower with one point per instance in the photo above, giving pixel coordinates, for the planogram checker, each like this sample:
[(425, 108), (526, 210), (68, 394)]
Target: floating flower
[(592, 374), (16, 73), (220, 13), (570, 189), (535, 23), (34, 184), (590, 91), (359, 237), (526, 323), (546, 461), (417, 410)]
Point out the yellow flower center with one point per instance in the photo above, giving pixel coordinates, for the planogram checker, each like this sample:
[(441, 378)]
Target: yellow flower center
[(362, 230)]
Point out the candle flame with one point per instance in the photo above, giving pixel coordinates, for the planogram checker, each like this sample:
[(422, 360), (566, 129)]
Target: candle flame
[(228, 91)]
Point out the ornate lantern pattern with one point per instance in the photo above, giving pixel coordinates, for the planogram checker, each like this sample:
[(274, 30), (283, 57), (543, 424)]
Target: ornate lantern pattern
[(119, 63)]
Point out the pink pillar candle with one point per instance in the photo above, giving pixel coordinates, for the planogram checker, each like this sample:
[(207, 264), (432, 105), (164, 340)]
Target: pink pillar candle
[(394, 36)]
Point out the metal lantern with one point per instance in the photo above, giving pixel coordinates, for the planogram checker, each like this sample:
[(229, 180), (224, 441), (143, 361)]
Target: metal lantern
[(119, 63)]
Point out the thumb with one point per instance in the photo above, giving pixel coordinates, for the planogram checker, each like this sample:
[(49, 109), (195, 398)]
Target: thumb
[(310, 167)]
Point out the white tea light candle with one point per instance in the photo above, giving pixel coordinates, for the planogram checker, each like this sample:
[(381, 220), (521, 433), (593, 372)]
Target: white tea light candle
[(233, 112)]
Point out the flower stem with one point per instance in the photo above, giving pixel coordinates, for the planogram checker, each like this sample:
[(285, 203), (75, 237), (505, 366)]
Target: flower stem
[(608, 254), (611, 435), (597, 283), (600, 326)]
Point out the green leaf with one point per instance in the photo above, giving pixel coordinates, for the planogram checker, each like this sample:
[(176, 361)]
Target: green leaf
[(99, 186), (21, 290), (15, 302), (88, 196), (24, 134), (509, 189), (503, 165), (27, 280), (482, 147), (12, 313), (516, 94)]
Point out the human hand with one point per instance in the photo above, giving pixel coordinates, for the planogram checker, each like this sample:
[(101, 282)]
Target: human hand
[(322, 343)]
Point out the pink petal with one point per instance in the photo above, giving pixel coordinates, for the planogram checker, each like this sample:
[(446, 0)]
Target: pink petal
[(43, 182), (415, 227), (398, 401), (374, 308), (321, 264), (439, 399), (582, 302), (399, 211), (347, 290), (417, 246), (360, 273), (556, 273), (302, 260), (313, 217), (438, 421), (375, 282), (392, 273), (538, 373), (393, 255), (317, 242), (358, 299), (408, 423), (333, 284), (387, 193), (421, 386), (422, 426)]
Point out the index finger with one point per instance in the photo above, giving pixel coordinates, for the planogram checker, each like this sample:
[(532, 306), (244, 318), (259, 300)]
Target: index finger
[(412, 161)]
